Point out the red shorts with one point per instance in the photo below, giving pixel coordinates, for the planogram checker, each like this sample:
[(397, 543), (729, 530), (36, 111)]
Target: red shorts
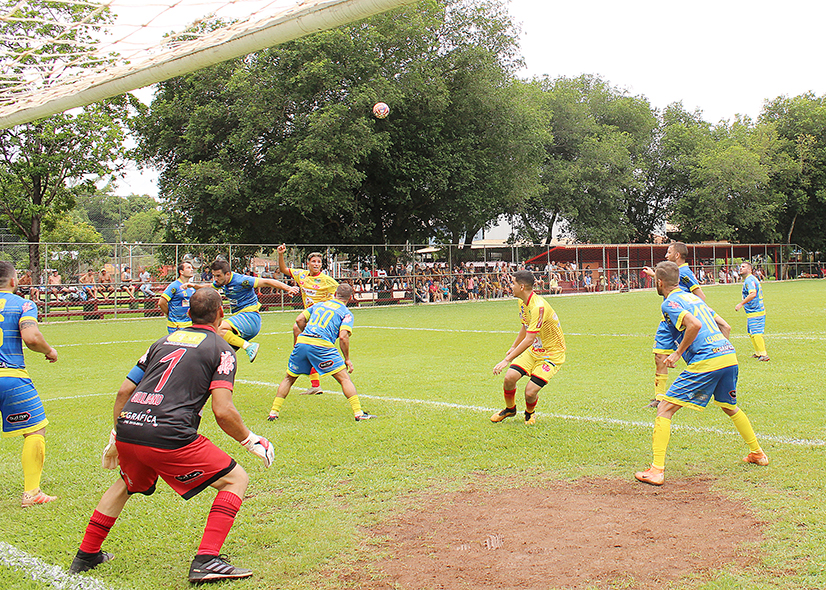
[(188, 470)]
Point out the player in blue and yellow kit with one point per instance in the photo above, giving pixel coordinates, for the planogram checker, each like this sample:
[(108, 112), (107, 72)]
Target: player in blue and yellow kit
[(316, 287), (318, 328), (702, 341), (663, 342), (22, 410), (174, 301), (537, 352), (755, 311), (245, 322)]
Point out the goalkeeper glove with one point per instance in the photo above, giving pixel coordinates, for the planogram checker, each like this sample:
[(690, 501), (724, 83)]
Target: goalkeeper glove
[(258, 445), (110, 453)]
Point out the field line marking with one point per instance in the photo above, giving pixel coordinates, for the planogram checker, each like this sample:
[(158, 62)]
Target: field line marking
[(799, 442), (40, 571)]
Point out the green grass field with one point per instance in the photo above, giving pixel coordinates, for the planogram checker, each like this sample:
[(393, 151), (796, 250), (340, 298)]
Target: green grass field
[(426, 371)]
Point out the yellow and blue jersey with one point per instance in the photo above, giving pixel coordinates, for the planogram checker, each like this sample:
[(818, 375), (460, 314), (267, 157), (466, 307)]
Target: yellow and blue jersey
[(755, 306), (240, 291), (688, 282), (324, 322), (178, 301), (13, 308), (710, 350), (540, 319), (314, 289)]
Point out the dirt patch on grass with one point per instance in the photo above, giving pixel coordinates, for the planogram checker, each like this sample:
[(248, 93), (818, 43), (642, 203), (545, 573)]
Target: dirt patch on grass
[(583, 534)]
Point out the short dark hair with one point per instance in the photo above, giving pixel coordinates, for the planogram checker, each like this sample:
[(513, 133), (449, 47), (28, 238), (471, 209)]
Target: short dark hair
[(668, 272), (6, 271), (204, 305), (344, 291), (681, 249), (524, 277), (181, 265), (221, 265)]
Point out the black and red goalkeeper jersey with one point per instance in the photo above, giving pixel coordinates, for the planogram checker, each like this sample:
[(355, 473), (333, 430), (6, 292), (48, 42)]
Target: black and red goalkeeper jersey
[(179, 371)]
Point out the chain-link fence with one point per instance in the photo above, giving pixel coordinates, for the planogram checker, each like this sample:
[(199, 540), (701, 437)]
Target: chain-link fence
[(125, 279)]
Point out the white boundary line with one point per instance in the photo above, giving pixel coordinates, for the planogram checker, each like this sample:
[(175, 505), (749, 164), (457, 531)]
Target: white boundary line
[(787, 440), (40, 571)]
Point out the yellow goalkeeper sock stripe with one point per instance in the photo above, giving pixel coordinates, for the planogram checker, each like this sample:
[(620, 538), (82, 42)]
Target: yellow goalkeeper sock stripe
[(277, 403)]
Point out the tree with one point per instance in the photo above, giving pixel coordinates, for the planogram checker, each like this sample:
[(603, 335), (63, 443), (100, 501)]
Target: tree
[(46, 163), (282, 145), (67, 230), (800, 123)]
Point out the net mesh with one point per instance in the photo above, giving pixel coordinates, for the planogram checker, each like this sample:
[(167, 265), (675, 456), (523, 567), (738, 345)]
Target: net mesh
[(61, 54)]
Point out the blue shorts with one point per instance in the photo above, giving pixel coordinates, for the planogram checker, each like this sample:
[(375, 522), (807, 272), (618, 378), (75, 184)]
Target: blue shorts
[(697, 389), (756, 325), (21, 406), (324, 360), (664, 341), (246, 324)]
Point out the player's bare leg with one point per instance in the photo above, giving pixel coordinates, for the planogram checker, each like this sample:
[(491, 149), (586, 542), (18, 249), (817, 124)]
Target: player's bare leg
[(660, 378), (348, 388), (233, 339), (280, 395)]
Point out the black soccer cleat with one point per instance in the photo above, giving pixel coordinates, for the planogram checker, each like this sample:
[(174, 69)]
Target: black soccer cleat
[(210, 568), (365, 416), (83, 561), (502, 414)]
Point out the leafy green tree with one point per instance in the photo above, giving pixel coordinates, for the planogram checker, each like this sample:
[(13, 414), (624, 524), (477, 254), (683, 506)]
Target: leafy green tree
[(45, 164), (282, 145), (76, 243), (800, 123)]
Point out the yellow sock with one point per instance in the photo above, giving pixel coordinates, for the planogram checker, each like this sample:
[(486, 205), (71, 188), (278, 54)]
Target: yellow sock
[(660, 384), (659, 442), (34, 455), (234, 339), (759, 345), (277, 403), (355, 404), (743, 426)]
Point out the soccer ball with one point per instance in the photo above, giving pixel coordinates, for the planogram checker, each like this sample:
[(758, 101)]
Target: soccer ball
[(381, 110)]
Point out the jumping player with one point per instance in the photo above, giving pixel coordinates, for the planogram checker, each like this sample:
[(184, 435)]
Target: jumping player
[(22, 410), (157, 413), (537, 352), (755, 311), (245, 322), (317, 330), (174, 301), (663, 344), (316, 287), (711, 372)]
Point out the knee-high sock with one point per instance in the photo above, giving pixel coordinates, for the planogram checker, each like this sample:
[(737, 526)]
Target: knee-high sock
[(234, 339), (220, 520), (743, 426), (531, 408), (96, 532), (510, 398), (33, 457), (659, 441), (355, 404), (759, 344), (314, 379), (276, 404), (660, 384)]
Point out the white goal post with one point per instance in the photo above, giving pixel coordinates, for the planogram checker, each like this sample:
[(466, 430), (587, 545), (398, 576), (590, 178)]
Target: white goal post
[(241, 38)]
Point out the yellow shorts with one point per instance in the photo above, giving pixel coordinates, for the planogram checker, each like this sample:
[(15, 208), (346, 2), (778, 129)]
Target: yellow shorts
[(539, 367)]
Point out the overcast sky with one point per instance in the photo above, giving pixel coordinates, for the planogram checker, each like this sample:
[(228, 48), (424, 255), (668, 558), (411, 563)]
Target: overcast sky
[(724, 57)]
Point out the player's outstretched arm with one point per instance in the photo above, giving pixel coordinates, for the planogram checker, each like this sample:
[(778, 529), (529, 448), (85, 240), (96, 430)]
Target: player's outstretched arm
[(230, 421), (276, 284), (34, 339)]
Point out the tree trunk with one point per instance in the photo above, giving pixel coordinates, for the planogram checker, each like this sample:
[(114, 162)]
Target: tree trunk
[(34, 249)]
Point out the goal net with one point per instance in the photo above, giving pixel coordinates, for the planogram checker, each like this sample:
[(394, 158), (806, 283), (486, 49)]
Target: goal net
[(62, 54)]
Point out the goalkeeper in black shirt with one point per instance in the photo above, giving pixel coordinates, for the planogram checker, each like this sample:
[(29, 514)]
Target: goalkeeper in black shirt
[(157, 414)]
